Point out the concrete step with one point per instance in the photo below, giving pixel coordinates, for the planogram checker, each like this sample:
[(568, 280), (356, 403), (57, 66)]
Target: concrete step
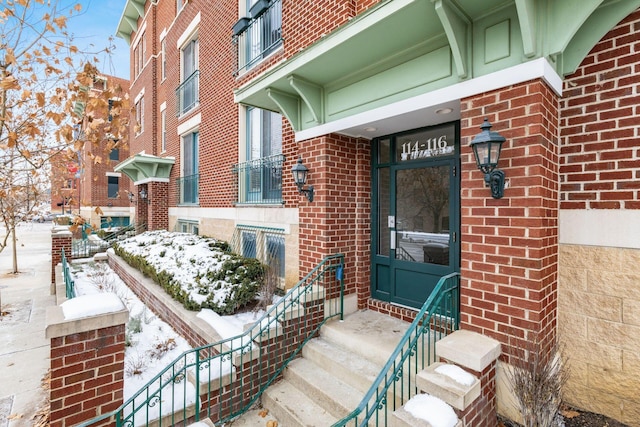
[(366, 333), (358, 372), (324, 388), (292, 408), (448, 388)]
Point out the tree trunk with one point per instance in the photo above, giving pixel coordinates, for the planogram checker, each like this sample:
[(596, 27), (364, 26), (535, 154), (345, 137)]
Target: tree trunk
[(15, 249)]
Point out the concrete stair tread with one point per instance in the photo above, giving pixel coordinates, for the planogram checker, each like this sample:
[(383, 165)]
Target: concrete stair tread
[(358, 372), (366, 333), (291, 407), (327, 390)]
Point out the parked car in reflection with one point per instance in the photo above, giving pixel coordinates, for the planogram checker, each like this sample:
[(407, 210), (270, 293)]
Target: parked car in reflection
[(418, 236)]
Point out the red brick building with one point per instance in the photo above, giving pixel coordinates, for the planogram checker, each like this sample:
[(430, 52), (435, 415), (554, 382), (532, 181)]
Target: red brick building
[(380, 101), (86, 183)]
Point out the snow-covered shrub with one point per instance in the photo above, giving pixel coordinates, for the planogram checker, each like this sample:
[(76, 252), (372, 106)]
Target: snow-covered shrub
[(199, 272)]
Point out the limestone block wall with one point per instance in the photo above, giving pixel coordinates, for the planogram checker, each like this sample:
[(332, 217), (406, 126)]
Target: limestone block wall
[(599, 323)]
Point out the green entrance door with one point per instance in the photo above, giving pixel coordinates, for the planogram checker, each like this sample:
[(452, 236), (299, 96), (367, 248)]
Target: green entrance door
[(416, 220)]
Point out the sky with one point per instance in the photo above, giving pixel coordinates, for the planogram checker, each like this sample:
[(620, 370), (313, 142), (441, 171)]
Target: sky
[(91, 29)]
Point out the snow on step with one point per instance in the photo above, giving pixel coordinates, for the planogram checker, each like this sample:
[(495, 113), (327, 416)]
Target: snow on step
[(338, 398), (293, 409)]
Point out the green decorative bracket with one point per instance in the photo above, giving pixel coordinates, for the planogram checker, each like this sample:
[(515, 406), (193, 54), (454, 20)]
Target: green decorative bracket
[(457, 29), (288, 104), (312, 95), (527, 17)]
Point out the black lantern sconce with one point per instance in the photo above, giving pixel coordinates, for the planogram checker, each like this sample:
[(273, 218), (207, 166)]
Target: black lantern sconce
[(143, 196), (486, 148), (300, 172)]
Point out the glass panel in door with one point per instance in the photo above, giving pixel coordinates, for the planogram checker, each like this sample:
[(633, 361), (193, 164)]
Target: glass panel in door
[(422, 215)]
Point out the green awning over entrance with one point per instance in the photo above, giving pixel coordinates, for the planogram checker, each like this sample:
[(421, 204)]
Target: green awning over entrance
[(401, 49), (145, 168)]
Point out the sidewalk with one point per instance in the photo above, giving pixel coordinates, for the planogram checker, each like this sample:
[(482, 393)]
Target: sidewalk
[(24, 351)]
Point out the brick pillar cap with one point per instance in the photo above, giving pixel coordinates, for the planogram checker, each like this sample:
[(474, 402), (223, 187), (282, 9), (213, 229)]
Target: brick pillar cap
[(58, 326), (469, 349), (61, 232)]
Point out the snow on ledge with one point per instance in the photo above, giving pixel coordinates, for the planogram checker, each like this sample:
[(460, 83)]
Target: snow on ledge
[(431, 409), (457, 374), (91, 305)]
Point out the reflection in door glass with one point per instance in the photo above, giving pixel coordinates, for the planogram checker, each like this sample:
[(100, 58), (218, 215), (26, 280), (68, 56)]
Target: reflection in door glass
[(422, 215), (384, 201)]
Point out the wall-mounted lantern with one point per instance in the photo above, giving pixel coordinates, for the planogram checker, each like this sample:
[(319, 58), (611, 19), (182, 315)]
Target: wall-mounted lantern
[(143, 196), (486, 148), (300, 172)]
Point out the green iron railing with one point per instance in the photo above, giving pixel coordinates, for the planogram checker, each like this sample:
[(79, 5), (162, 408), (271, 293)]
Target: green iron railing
[(396, 384), (232, 374), (69, 284)]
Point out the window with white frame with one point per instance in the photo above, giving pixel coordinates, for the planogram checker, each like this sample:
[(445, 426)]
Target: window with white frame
[(163, 130), (188, 91), (188, 226), (139, 116), (139, 53), (260, 176), (163, 63), (188, 182)]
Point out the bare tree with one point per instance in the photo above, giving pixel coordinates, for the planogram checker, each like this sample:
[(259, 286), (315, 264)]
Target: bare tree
[(46, 109)]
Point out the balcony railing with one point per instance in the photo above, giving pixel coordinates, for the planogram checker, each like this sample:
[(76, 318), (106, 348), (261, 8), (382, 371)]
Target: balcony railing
[(188, 93), (187, 188), (258, 37), (259, 181)]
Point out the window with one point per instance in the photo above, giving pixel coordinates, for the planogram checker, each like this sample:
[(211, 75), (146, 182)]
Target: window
[(114, 154), (186, 226), (262, 35), (188, 91), (163, 136), (260, 177), (163, 64), (265, 244), (188, 183), (139, 53), (113, 186), (140, 115), (99, 83)]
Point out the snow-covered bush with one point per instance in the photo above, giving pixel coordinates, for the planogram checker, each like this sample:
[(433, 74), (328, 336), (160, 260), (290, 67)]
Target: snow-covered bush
[(196, 271)]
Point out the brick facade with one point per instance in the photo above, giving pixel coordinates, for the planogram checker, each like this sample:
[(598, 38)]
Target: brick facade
[(509, 257), (572, 151), (60, 239), (599, 122), (87, 375)]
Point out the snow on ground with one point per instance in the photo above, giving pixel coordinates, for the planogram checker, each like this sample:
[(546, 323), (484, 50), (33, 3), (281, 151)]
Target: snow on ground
[(151, 343)]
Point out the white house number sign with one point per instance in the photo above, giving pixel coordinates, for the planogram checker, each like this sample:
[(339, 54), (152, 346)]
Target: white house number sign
[(419, 148)]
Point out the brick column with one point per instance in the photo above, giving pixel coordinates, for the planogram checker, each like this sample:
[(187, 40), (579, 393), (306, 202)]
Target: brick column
[(338, 220), (509, 259), (158, 196), (61, 238), (87, 365)]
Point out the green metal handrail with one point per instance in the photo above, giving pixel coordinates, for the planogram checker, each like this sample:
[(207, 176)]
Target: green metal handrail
[(223, 394), (69, 284), (395, 384)]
